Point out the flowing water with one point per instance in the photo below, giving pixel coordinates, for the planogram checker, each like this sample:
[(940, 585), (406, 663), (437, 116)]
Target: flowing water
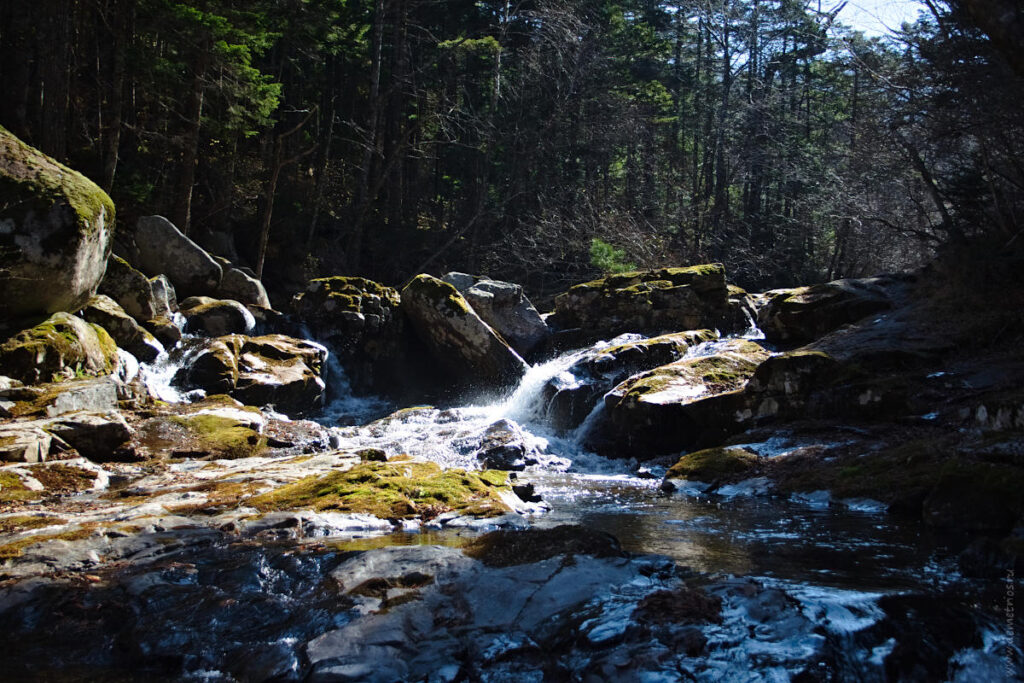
[(840, 560)]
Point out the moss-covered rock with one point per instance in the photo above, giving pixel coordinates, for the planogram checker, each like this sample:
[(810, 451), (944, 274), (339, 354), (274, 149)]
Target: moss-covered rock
[(63, 346), (504, 307), (129, 335), (689, 403), (223, 433), (391, 490), (132, 290), (654, 301), (597, 372), (55, 233), (361, 322), (456, 336), (712, 464)]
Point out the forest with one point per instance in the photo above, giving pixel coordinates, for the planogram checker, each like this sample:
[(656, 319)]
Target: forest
[(542, 142)]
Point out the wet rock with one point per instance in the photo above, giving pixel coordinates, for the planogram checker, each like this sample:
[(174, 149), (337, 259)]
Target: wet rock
[(55, 233), (165, 330), (713, 464), (649, 302), (504, 307), (593, 375), (685, 404), (62, 346), (129, 335), (510, 548), (215, 369), (801, 315), (96, 436), (238, 286), (163, 249), (469, 348), (361, 322), (216, 317), (165, 299), (503, 447)]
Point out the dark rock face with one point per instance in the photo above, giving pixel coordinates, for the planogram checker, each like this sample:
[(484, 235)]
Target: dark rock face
[(468, 347), (162, 249), (503, 447), (55, 233), (96, 436), (801, 315), (503, 306), (649, 302)]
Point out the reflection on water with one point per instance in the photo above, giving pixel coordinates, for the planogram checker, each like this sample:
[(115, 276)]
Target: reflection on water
[(751, 536)]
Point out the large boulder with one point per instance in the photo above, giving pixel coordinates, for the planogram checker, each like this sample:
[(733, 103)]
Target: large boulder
[(362, 323), (130, 289), (129, 335), (96, 436), (216, 317), (162, 248), (649, 302), (55, 233), (689, 403), (239, 286), (503, 306), (801, 315), (467, 346), (269, 370), (63, 346)]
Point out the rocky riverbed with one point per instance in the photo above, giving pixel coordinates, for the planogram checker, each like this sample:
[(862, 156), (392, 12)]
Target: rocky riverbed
[(664, 478)]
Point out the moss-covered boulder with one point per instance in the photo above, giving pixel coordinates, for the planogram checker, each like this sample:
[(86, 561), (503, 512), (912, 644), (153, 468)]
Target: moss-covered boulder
[(458, 339), (55, 233), (216, 317), (222, 433), (361, 322), (129, 335), (976, 496), (690, 403), (395, 490), (801, 315), (131, 290), (649, 302), (570, 396), (162, 249), (63, 346), (712, 464)]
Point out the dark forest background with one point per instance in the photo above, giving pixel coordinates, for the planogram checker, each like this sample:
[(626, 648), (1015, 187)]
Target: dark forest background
[(536, 141)]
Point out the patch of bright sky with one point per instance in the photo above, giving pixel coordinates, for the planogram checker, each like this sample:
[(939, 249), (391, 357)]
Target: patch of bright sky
[(877, 17)]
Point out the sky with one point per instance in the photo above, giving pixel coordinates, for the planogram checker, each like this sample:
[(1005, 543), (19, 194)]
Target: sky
[(876, 17)]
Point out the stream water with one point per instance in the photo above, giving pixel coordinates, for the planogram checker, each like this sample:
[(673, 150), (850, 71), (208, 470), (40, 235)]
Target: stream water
[(847, 564)]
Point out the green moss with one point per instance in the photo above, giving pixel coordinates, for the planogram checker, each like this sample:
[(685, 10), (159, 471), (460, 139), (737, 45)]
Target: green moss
[(712, 464), (442, 296), (224, 435), (13, 489), (393, 490), (717, 374), (9, 551), (39, 182), (14, 523)]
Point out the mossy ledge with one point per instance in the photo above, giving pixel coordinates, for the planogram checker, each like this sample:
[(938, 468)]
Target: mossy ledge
[(712, 464), (394, 490)]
